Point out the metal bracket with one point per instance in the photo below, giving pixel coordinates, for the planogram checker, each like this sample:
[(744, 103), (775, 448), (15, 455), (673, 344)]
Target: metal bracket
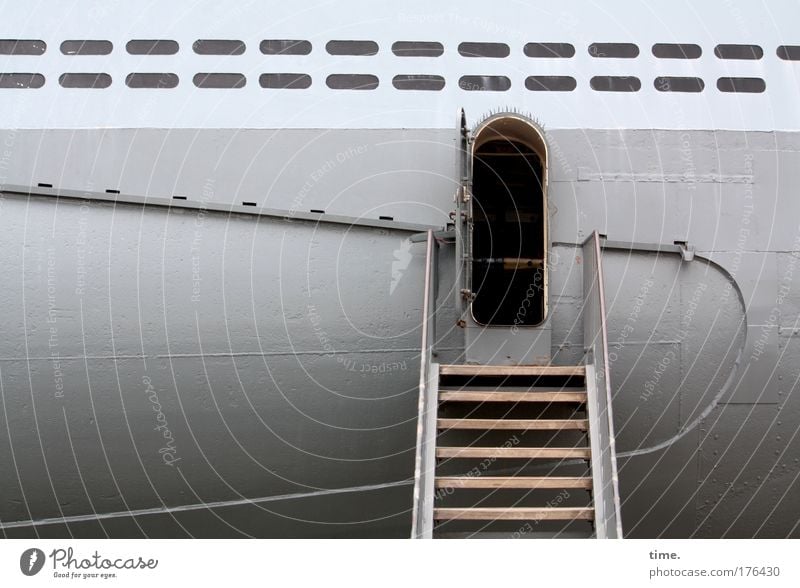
[(444, 235), (453, 213), (687, 251), (588, 353)]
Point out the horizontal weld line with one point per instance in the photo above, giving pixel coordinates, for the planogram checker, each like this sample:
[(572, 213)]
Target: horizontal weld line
[(221, 354), (201, 506)]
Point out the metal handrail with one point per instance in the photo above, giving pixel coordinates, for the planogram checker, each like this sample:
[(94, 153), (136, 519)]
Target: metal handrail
[(422, 524), (610, 523)]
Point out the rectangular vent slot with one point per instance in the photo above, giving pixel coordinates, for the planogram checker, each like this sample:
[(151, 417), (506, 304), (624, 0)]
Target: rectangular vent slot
[(152, 80), (285, 47), (22, 47), (550, 83), (549, 50), (789, 52), (417, 49), (741, 85), (738, 51), (152, 47), (418, 82), (83, 47), (21, 80), (615, 84), (678, 84), (677, 51), (219, 80), (616, 50), (362, 48), (288, 81), (218, 47), (495, 50), (352, 82), (85, 80), (484, 83)]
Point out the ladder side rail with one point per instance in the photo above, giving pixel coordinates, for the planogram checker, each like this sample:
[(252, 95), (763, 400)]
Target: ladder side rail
[(425, 458), (608, 523)]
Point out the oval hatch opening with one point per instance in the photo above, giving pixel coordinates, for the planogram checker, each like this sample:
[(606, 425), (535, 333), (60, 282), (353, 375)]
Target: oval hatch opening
[(509, 215)]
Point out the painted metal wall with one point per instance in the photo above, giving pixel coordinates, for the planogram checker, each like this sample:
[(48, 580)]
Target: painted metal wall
[(464, 80), (153, 358), (295, 368)]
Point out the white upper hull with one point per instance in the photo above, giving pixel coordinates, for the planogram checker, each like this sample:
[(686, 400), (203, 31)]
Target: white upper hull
[(707, 24)]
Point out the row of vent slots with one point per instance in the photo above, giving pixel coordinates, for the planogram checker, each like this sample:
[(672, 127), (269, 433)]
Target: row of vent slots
[(399, 48), (244, 203), (424, 82)]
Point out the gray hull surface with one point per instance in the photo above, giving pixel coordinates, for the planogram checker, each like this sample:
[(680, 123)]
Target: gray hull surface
[(225, 373)]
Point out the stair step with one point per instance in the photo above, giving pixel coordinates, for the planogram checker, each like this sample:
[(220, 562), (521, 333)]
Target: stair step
[(506, 387), (511, 370), (513, 482), (516, 514), (475, 396), (515, 452), (515, 424), (519, 534)]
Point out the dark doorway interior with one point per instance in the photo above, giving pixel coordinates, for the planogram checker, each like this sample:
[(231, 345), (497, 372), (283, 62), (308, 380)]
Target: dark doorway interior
[(508, 240)]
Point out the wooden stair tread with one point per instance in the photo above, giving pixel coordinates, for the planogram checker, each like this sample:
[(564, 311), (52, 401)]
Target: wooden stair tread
[(516, 424), (515, 535), (511, 370), (504, 387), (478, 396), (520, 514), (513, 482), (515, 452)]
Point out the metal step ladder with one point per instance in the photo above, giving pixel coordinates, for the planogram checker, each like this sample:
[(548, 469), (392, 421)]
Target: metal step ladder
[(518, 451), (504, 434)]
